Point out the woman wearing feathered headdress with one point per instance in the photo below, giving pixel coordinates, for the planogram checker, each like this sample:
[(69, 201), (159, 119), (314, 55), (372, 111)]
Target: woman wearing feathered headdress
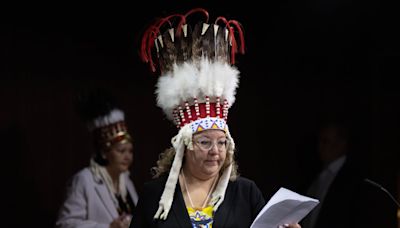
[(102, 195), (196, 181)]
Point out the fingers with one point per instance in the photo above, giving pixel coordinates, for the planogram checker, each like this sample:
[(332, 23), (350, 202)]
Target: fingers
[(121, 222), (289, 226), (127, 219)]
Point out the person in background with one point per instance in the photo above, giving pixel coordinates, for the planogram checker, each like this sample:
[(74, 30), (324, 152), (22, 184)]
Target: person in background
[(345, 198), (102, 195), (196, 181)]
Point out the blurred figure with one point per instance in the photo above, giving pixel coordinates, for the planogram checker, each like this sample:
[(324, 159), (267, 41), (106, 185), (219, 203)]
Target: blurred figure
[(102, 195), (345, 198), (332, 153)]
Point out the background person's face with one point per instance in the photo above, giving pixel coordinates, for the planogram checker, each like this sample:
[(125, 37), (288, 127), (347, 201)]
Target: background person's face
[(120, 157), (331, 144)]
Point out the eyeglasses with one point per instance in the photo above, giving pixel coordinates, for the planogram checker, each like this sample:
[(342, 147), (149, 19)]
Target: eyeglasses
[(206, 144)]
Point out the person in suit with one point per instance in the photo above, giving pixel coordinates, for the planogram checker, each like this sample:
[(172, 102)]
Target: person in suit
[(345, 198), (196, 181), (102, 194)]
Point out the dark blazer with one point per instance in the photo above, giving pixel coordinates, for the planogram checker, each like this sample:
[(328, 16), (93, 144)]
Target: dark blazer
[(350, 202), (243, 200), (341, 200)]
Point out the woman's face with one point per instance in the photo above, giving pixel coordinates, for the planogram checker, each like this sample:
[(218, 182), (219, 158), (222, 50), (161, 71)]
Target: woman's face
[(208, 154), (120, 157)]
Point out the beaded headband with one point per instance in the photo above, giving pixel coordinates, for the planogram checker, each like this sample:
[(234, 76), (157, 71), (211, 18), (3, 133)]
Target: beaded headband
[(110, 129)]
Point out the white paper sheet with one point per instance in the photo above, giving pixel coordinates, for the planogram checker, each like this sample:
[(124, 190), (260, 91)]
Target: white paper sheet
[(284, 207)]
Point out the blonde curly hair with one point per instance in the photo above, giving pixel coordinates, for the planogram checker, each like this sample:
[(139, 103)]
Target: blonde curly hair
[(166, 158)]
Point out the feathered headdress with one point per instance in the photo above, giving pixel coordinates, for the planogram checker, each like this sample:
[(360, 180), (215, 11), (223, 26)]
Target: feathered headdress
[(103, 118), (197, 83)]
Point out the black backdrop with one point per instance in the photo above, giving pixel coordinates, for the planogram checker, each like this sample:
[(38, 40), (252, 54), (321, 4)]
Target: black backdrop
[(304, 60)]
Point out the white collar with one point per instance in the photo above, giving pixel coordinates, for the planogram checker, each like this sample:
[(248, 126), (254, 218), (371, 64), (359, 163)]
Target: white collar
[(335, 166)]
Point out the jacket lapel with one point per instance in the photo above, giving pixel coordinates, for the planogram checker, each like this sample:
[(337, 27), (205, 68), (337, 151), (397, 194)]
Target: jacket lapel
[(131, 189), (104, 195), (179, 209), (222, 214)]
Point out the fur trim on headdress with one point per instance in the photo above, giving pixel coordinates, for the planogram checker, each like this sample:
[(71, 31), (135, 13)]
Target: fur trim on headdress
[(115, 115), (212, 79), (184, 137)]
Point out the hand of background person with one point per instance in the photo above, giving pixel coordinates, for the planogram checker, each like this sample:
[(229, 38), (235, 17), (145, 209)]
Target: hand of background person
[(290, 226), (122, 221)]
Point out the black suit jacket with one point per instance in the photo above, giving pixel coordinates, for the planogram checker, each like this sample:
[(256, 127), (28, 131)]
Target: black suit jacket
[(350, 202), (243, 200)]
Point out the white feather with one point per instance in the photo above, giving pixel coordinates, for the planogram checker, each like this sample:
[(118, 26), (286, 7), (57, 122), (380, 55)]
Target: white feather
[(187, 76), (114, 116), (189, 80)]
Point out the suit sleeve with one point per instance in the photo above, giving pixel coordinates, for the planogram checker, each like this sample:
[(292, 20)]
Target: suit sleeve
[(257, 200), (141, 215), (73, 213)]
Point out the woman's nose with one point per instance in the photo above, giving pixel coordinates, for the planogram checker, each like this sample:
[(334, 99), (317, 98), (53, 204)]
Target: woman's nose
[(214, 148)]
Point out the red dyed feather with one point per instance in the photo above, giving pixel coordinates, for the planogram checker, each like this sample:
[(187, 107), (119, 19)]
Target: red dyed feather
[(241, 35), (151, 33), (231, 37)]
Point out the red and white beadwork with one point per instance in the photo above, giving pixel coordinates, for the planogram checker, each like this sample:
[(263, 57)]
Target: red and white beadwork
[(208, 111), (110, 129)]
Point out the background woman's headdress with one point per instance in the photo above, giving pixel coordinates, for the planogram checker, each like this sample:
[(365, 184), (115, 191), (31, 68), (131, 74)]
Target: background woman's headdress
[(103, 118), (197, 83)]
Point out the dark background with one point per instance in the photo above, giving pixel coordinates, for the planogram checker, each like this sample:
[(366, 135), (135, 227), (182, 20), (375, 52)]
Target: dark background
[(305, 60)]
